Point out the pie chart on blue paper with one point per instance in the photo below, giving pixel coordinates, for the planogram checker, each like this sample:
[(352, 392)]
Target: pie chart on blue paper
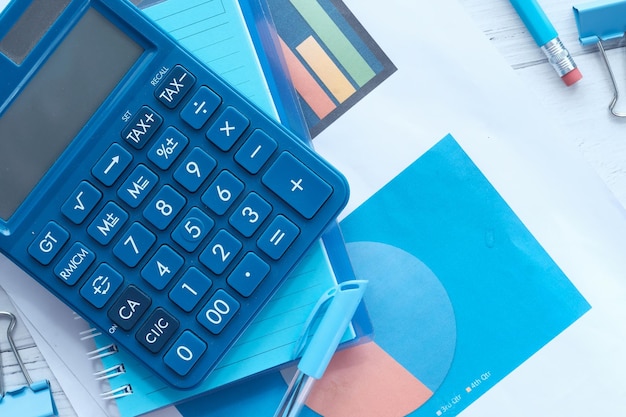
[(411, 312)]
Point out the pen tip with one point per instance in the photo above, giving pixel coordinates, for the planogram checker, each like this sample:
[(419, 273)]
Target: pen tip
[(572, 77)]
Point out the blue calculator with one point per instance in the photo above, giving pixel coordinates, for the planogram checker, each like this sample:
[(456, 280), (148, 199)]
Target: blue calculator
[(141, 189)]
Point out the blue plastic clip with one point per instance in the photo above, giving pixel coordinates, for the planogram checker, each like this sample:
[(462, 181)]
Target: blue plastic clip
[(598, 22), (32, 400)]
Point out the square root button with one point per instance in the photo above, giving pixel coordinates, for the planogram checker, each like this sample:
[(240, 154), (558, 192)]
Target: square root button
[(297, 185)]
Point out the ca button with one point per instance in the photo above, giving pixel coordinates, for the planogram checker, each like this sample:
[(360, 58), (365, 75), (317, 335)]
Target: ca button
[(129, 308)]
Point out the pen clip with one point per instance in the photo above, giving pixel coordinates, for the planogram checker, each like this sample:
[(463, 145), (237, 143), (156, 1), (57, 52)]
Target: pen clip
[(317, 313), (320, 309)]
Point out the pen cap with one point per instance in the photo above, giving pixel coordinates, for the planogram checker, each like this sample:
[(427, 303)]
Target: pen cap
[(331, 327)]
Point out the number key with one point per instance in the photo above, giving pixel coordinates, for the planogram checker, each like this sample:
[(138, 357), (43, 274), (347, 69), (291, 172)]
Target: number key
[(195, 169), (134, 245), (190, 289), (164, 207), (222, 192), (218, 312), (220, 252), (162, 267), (250, 214), (192, 230)]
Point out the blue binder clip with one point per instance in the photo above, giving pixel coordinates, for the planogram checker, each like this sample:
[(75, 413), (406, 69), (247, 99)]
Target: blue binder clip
[(598, 22), (32, 400)]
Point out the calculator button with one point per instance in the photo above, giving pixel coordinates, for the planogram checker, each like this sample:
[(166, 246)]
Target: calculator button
[(164, 207), (74, 263), (297, 185), (219, 310), (129, 307), (174, 86), (277, 238), (195, 169), (190, 289), (134, 245), (228, 127), (250, 214), (101, 285), (162, 267), (167, 148), (137, 186), (220, 252), (82, 201), (192, 229), (142, 127), (222, 192), (184, 353), (200, 107), (107, 223), (48, 243), (255, 151), (157, 330), (247, 276), (111, 165)]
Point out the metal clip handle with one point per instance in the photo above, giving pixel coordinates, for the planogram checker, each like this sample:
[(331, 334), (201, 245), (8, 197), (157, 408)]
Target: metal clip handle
[(12, 324)]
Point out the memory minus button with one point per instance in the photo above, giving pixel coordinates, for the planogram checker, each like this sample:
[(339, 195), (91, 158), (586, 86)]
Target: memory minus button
[(297, 185)]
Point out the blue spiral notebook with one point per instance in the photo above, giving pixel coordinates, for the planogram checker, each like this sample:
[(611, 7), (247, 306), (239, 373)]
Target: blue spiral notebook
[(237, 32)]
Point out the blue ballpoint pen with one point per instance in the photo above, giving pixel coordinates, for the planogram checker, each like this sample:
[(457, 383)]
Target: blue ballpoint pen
[(547, 39), (342, 301)]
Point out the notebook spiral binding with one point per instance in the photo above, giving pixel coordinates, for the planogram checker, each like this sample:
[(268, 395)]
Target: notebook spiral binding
[(108, 373)]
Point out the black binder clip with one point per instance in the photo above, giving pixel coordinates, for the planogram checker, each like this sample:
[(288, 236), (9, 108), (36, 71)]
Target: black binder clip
[(31, 400)]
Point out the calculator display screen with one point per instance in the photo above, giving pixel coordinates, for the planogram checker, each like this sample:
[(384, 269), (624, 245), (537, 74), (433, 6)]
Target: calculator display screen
[(58, 101)]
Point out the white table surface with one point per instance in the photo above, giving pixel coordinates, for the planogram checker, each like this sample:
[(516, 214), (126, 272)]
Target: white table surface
[(582, 108)]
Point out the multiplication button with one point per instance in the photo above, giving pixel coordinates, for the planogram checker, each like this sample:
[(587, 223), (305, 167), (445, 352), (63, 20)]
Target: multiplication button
[(228, 127)]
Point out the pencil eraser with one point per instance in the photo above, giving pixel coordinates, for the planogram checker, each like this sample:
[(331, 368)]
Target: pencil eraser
[(572, 77)]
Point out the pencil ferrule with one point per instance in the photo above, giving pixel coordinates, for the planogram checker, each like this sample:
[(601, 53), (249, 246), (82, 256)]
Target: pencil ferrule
[(559, 57)]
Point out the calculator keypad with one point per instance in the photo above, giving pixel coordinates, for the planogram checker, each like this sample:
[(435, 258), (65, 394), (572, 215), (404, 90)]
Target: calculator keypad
[(181, 221)]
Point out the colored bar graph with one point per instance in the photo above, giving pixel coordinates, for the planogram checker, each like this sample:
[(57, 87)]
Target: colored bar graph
[(324, 67), (332, 60), (334, 39), (306, 85)]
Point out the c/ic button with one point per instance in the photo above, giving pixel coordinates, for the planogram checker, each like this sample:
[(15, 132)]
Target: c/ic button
[(157, 330)]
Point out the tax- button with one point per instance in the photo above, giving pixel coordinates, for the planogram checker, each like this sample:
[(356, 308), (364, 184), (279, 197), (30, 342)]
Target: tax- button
[(297, 185), (129, 308)]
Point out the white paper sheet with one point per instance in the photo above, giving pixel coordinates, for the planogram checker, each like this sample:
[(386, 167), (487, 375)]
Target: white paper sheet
[(450, 79)]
